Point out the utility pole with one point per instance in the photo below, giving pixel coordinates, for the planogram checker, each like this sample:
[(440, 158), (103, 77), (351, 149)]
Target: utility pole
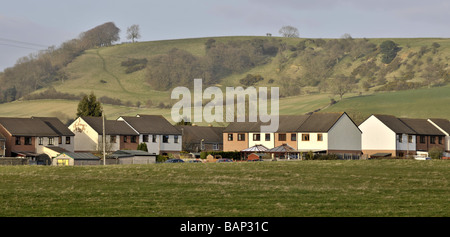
[(104, 138)]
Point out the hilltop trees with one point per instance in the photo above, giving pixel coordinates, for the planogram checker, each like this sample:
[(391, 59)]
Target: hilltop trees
[(102, 35), (289, 31), (133, 32)]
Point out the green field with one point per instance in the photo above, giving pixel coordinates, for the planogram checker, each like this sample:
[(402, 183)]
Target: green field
[(365, 188)]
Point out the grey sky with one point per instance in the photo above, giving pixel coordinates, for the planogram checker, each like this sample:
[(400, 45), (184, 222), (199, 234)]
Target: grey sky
[(26, 26)]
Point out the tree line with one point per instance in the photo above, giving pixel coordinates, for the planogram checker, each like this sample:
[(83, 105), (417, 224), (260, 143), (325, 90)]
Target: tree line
[(39, 70)]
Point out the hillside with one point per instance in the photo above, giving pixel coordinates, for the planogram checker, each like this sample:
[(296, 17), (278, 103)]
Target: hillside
[(309, 72)]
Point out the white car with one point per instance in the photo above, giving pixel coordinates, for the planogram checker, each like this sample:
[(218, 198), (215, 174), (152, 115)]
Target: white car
[(422, 158)]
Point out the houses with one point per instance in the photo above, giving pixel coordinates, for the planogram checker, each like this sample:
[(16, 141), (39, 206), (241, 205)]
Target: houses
[(387, 135), (160, 136), (326, 133), (30, 137), (46, 140), (89, 135), (201, 138)]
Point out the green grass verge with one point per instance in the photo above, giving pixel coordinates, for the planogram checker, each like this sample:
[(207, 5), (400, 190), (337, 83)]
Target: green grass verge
[(373, 188)]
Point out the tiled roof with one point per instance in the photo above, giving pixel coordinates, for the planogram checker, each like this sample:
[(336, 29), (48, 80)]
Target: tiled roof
[(57, 126), (316, 122), (444, 124), (194, 134), (27, 127), (151, 124), (422, 126), (112, 127), (395, 124)]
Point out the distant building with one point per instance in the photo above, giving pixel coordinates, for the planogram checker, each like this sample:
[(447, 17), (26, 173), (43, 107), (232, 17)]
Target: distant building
[(160, 136), (89, 135), (29, 137), (326, 133), (201, 138)]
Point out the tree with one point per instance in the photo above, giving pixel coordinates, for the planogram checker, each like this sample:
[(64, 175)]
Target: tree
[(89, 106), (389, 50), (341, 85), (133, 32), (102, 35), (142, 146), (289, 31)]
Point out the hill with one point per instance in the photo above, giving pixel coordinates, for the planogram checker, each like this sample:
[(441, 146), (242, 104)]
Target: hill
[(311, 73)]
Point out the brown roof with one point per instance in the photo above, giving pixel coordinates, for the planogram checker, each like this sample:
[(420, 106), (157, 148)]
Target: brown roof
[(316, 122), (444, 124), (395, 124), (422, 126), (57, 126), (151, 124), (319, 122), (194, 134), (112, 127), (27, 127), (287, 123)]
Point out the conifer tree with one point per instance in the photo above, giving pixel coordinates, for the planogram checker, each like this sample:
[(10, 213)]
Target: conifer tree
[(89, 106)]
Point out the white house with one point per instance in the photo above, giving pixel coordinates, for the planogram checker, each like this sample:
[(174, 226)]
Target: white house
[(444, 126), (387, 135), (89, 135), (330, 133), (160, 136)]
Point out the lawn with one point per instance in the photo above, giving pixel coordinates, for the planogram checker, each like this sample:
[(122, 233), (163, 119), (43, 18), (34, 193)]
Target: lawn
[(366, 188)]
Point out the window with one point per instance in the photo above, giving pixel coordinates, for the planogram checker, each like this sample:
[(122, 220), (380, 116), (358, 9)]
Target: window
[(175, 138), (267, 136), (145, 138), (293, 137), (319, 137), (399, 138), (422, 139), (410, 139), (41, 140), (50, 140), (256, 137), (215, 147), (305, 137), (440, 140), (230, 136), (133, 139), (165, 139), (125, 138), (17, 140), (67, 140), (241, 137), (59, 140), (27, 141), (282, 137), (432, 139), (112, 139), (154, 138)]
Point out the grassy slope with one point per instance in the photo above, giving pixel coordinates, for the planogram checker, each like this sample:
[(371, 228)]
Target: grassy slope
[(87, 71), (370, 188)]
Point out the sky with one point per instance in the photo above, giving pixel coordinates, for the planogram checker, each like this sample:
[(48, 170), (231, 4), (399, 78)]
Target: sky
[(28, 26)]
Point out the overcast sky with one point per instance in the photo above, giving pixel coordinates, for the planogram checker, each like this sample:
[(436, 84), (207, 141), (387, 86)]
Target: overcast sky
[(27, 26)]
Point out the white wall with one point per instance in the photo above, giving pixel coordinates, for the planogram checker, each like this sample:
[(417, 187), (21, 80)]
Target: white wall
[(376, 136), (344, 135), (86, 138), (156, 147), (269, 144), (312, 144)]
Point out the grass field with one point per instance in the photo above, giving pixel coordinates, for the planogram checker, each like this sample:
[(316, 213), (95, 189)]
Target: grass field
[(366, 188)]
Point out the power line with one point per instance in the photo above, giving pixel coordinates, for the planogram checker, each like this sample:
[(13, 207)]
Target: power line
[(16, 46), (23, 42)]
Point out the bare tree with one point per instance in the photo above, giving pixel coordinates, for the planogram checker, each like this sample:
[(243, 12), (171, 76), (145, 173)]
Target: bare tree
[(133, 32), (341, 85), (289, 31)]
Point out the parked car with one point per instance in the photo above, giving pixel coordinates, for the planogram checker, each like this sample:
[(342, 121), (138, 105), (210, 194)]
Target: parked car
[(195, 161), (174, 161), (224, 160)]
